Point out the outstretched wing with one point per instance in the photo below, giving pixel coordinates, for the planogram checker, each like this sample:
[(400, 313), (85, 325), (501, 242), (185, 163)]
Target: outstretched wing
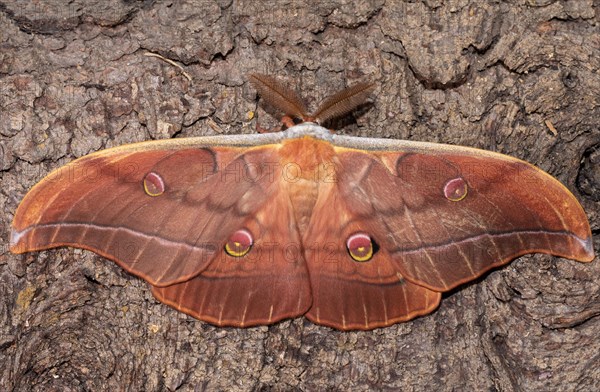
[(433, 217), (445, 215), (164, 211)]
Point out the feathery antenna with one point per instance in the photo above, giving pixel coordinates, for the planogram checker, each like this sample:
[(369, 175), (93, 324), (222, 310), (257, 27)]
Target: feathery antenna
[(279, 96), (343, 102), (288, 101)]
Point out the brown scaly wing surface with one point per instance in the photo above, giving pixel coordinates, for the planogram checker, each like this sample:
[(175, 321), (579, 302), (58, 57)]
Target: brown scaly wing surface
[(268, 284), (348, 294), (100, 203), (444, 215), (164, 211)]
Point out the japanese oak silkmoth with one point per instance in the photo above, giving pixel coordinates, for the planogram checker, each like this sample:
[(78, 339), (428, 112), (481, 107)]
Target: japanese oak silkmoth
[(353, 233)]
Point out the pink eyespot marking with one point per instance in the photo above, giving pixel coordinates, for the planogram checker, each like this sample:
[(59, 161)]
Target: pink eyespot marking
[(360, 247), (154, 184), (239, 243), (455, 189)]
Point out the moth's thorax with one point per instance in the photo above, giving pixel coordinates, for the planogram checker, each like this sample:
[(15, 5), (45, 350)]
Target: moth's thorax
[(306, 162), (306, 157)]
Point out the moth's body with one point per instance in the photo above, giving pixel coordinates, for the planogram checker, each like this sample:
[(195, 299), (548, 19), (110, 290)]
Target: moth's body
[(307, 169)]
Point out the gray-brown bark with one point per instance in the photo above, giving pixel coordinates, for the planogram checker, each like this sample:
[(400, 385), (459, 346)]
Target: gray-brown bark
[(496, 75)]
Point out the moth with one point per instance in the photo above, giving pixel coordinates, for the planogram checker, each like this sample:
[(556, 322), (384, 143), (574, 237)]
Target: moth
[(351, 232)]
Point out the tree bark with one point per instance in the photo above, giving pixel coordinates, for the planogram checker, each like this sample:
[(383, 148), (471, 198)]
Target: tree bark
[(517, 77)]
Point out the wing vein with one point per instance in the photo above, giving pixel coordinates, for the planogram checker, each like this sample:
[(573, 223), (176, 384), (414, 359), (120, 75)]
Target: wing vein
[(425, 249)]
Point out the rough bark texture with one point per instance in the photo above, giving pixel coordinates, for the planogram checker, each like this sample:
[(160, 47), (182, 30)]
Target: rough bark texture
[(519, 77)]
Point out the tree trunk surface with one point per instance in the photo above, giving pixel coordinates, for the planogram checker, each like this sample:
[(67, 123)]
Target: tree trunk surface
[(518, 77)]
